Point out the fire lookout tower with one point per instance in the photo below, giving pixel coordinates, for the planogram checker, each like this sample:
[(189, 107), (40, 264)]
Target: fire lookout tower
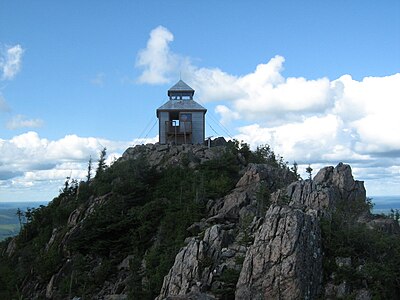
[(181, 120)]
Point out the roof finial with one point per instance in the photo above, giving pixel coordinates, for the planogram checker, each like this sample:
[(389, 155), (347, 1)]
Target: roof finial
[(180, 75)]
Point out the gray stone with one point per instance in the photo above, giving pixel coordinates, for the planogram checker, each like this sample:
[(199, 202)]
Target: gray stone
[(116, 297), (329, 186), (11, 247), (363, 294), (278, 265), (387, 225), (343, 261), (227, 253), (124, 265)]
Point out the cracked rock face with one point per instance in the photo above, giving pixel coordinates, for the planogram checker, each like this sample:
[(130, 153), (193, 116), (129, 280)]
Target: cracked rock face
[(192, 268), (328, 187), (285, 259), (278, 256)]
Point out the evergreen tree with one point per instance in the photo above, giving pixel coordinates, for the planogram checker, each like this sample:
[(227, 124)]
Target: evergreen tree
[(295, 170), (20, 214), (89, 173), (309, 171), (101, 166)]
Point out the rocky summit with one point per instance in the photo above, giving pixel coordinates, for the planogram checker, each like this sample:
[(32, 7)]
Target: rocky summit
[(199, 222)]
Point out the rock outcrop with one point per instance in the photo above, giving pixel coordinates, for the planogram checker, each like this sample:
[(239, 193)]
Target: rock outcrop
[(160, 155), (275, 256), (330, 186), (193, 269), (285, 260)]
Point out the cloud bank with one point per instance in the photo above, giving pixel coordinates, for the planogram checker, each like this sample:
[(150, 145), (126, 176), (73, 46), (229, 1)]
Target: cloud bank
[(41, 163), (320, 121)]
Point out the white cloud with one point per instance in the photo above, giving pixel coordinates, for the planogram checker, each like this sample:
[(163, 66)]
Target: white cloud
[(264, 93), (29, 152), (10, 62), (371, 108), (294, 95), (146, 140), (227, 115), (59, 173), (315, 139), (213, 84), (20, 121), (156, 59)]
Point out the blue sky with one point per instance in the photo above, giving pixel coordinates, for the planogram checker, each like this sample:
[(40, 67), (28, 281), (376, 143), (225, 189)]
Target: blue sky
[(317, 80)]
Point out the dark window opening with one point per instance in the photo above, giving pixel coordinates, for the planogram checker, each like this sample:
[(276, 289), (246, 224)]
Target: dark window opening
[(174, 118)]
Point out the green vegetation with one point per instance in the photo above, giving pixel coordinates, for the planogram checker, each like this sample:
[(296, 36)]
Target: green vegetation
[(394, 214), (227, 287), (263, 197), (9, 224), (374, 255), (139, 211)]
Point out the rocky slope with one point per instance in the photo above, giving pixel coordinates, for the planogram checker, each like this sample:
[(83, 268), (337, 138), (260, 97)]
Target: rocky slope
[(284, 261), (262, 239)]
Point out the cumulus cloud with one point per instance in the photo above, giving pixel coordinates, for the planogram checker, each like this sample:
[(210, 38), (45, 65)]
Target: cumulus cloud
[(365, 113), (33, 156), (156, 59), (315, 139), (10, 62), (264, 94), (371, 107), (30, 162), (227, 115), (21, 121), (214, 84)]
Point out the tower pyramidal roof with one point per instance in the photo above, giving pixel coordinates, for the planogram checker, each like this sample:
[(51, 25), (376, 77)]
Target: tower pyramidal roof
[(180, 87)]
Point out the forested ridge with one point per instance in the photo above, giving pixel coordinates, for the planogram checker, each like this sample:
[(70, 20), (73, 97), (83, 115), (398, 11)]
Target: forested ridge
[(118, 234)]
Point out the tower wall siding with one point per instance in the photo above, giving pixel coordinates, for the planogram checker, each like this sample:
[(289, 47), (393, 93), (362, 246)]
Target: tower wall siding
[(163, 117), (198, 127)]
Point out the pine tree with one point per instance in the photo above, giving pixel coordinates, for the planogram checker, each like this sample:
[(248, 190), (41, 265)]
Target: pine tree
[(20, 214), (101, 166), (309, 171), (89, 173), (295, 170)]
